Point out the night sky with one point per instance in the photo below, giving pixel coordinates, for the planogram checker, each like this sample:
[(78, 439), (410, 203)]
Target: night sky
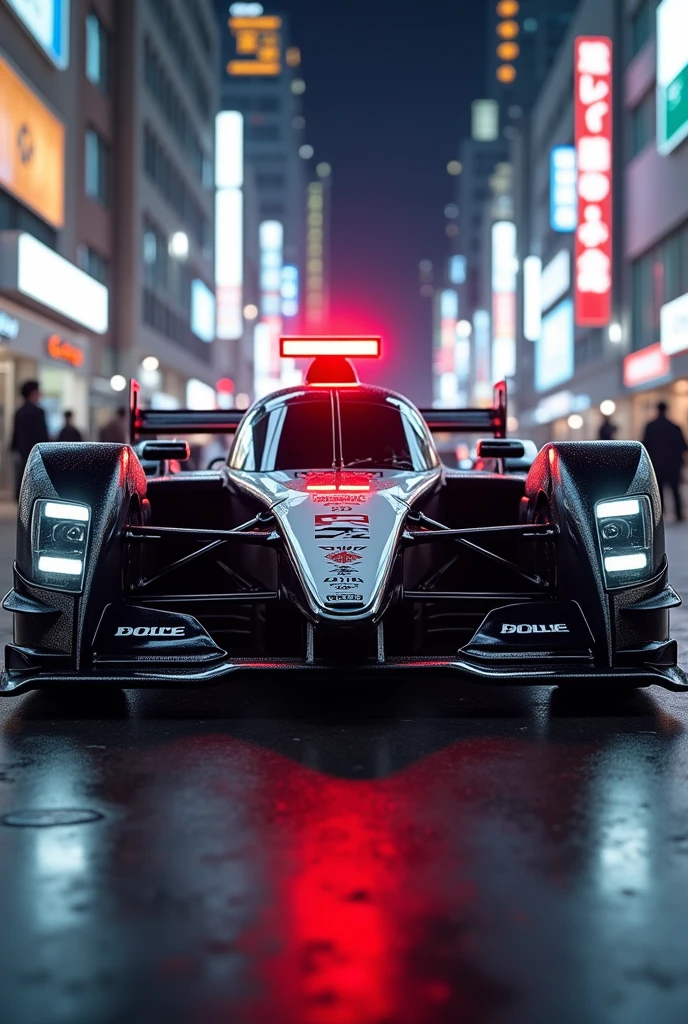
[(388, 99)]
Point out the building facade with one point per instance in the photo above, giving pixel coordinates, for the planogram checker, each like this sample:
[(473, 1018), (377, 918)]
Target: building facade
[(570, 374), (264, 221), (56, 237)]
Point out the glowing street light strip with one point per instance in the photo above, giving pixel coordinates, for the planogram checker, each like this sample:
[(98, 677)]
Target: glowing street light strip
[(625, 563), (60, 510), (306, 347), (628, 507), (60, 566)]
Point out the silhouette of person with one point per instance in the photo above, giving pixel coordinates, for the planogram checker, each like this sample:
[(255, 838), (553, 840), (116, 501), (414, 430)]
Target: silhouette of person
[(665, 445)]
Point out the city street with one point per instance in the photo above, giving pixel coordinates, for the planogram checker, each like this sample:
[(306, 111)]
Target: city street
[(427, 853)]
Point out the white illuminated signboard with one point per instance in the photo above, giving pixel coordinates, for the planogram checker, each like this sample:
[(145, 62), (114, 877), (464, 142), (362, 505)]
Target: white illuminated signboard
[(54, 282), (563, 195), (672, 74), (556, 279), (48, 23), (554, 350), (229, 149), (674, 326), (202, 311), (504, 266), (532, 317)]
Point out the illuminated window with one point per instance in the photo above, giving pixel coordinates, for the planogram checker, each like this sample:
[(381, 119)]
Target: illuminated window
[(97, 53), (96, 169)]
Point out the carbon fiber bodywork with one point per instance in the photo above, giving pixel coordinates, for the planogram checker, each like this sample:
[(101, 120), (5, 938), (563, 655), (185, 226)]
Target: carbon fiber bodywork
[(191, 578)]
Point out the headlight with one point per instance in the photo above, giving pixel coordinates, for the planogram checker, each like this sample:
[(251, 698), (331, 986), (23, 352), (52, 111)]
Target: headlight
[(59, 540), (624, 530)]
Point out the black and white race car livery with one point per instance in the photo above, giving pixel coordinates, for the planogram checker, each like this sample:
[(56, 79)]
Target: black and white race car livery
[(332, 538)]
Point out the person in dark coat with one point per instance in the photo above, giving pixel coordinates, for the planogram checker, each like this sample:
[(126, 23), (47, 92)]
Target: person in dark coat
[(30, 428), (608, 430), (115, 430), (666, 444), (69, 432)]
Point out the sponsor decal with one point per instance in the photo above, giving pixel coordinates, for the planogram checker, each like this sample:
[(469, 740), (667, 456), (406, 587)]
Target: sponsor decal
[(343, 555), (344, 597), (162, 631), (523, 627), (335, 505), (332, 525), (345, 579)]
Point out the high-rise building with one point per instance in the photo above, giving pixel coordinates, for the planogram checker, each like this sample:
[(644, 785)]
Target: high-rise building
[(261, 83), (163, 197), (56, 213)]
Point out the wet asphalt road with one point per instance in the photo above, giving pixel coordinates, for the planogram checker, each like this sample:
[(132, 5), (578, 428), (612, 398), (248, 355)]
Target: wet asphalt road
[(415, 853)]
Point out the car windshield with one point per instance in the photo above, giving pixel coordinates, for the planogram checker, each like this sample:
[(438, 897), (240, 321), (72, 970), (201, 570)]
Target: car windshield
[(297, 434)]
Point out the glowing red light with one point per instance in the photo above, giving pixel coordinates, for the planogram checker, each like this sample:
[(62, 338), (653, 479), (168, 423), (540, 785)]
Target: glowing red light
[(335, 384), (338, 481), (336, 345), (225, 385)]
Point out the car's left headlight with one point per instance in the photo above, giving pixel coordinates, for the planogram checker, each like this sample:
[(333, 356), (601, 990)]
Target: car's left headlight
[(60, 537), (624, 530)]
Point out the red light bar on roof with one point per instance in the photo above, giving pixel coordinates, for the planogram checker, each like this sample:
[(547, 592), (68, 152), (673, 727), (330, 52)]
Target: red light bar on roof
[(348, 346)]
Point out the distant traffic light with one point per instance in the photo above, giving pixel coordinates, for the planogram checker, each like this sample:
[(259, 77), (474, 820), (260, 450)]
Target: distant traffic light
[(508, 31)]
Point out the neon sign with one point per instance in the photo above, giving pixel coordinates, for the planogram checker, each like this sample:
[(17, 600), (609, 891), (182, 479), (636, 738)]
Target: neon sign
[(593, 124)]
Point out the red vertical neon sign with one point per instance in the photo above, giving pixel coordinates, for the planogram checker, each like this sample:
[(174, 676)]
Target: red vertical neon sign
[(593, 114)]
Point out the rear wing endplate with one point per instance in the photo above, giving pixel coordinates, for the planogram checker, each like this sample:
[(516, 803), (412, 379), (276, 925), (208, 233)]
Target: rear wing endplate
[(160, 422), (474, 421)]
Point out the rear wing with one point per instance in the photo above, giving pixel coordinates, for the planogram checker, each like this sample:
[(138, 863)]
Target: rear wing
[(156, 422), (473, 421)]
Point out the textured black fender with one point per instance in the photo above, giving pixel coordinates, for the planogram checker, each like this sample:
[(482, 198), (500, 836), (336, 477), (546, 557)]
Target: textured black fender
[(110, 479), (565, 482)]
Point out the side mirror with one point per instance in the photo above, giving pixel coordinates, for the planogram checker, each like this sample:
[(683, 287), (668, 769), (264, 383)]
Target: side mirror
[(163, 451), (500, 448)]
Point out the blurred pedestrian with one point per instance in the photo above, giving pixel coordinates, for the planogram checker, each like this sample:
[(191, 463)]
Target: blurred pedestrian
[(608, 430), (666, 444), (115, 430), (30, 428), (69, 432)]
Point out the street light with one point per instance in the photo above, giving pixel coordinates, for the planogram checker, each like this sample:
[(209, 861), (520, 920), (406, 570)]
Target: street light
[(179, 245), (150, 363), (464, 329), (615, 333), (118, 382), (607, 408), (575, 421), (454, 167), (250, 312), (306, 152)]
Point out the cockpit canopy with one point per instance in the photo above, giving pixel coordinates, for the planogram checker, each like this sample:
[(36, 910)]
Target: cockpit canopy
[(318, 429)]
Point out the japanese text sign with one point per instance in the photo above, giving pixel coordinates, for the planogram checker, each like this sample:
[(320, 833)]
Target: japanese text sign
[(593, 131)]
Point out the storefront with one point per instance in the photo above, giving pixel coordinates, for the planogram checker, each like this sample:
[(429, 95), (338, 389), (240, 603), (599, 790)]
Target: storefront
[(34, 347)]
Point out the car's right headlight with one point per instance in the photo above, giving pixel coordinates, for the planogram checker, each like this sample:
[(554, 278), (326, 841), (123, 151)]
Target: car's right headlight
[(624, 529), (59, 540)]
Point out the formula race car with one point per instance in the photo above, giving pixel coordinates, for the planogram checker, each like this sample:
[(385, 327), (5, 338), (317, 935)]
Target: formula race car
[(332, 539)]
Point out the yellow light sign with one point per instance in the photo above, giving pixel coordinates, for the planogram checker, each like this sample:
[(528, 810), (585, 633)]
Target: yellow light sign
[(258, 46), (508, 51), (506, 73), (507, 8), (32, 149), (507, 29)]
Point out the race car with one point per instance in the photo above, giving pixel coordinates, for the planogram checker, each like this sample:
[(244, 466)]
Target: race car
[(332, 540)]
